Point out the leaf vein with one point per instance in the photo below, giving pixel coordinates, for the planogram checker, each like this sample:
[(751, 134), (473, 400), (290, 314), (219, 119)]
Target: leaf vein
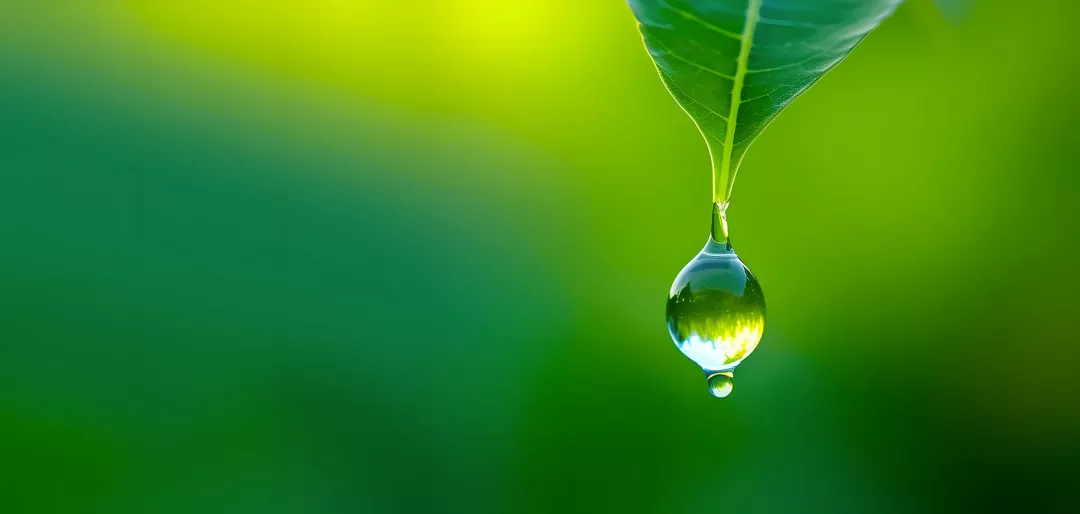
[(759, 97), (753, 9), (692, 99), (787, 23), (788, 65), (699, 21), (690, 62)]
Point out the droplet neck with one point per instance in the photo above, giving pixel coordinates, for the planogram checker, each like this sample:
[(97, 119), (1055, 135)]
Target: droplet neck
[(719, 232)]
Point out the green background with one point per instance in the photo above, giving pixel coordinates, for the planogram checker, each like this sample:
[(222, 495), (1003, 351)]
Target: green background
[(331, 256)]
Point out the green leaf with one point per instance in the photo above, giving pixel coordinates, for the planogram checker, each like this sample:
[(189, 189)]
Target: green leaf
[(733, 65)]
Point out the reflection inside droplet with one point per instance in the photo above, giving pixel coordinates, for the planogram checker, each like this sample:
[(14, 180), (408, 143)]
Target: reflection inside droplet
[(720, 384)]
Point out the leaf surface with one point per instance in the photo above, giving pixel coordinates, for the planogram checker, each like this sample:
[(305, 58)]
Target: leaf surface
[(733, 65)]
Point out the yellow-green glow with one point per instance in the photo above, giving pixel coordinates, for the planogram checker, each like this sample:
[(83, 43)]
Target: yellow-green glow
[(405, 55)]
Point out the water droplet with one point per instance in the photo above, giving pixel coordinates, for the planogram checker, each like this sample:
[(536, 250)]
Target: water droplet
[(716, 313), (720, 384)]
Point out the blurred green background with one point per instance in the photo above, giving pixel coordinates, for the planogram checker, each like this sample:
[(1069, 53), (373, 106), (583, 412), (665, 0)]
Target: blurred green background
[(329, 256)]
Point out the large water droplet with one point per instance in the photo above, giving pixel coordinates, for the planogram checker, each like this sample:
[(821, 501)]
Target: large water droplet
[(716, 313)]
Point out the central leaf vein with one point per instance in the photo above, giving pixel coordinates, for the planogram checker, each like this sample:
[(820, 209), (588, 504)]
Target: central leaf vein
[(741, 65)]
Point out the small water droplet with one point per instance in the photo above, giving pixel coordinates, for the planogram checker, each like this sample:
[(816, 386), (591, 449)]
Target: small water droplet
[(720, 384), (716, 313)]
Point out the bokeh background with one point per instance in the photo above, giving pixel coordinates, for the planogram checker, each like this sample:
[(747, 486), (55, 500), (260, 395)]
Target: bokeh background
[(329, 256)]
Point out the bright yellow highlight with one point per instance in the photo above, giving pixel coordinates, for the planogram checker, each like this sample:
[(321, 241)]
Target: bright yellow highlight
[(381, 47)]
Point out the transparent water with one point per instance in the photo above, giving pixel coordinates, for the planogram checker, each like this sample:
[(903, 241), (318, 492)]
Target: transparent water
[(716, 313)]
